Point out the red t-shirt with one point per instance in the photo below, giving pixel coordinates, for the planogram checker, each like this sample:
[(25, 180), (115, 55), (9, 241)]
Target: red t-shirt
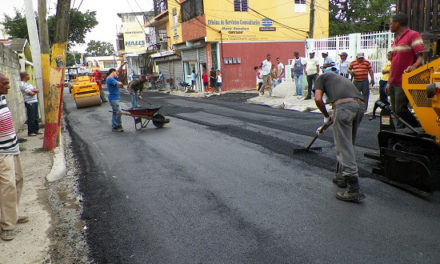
[(205, 77), (405, 49)]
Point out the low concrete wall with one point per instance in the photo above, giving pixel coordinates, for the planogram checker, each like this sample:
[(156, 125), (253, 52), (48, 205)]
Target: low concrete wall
[(10, 66)]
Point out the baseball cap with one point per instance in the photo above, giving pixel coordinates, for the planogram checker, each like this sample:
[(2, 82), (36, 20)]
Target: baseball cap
[(360, 55), (344, 54)]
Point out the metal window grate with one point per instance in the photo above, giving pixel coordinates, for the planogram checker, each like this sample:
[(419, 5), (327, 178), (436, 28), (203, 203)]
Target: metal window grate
[(420, 98), (421, 78), (240, 5)]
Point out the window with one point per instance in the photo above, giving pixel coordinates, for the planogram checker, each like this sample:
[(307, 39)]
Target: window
[(174, 16), (300, 6), (191, 9), (110, 64), (240, 5)]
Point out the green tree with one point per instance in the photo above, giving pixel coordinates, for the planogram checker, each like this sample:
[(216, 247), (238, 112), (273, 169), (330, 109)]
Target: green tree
[(15, 26), (80, 24), (72, 59), (99, 48), (357, 16)]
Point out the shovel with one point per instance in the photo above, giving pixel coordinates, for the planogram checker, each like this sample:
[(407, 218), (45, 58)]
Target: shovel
[(309, 146)]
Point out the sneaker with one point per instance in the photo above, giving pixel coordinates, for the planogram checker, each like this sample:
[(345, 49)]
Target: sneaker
[(32, 134), (117, 129), (7, 235), (350, 196), (22, 219)]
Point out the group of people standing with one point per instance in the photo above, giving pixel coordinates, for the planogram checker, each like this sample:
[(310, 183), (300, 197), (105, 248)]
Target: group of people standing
[(268, 75)]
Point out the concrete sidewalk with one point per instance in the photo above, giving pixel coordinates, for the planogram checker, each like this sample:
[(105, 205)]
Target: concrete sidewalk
[(283, 96)]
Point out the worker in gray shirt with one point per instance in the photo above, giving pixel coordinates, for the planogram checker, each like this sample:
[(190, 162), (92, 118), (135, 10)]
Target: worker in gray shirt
[(348, 109)]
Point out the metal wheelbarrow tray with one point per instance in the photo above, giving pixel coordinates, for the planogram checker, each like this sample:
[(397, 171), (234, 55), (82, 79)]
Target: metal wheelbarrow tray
[(144, 114)]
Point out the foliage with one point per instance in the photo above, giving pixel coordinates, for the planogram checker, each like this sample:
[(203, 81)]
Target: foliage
[(80, 24), (15, 26), (357, 16), (99, 48), (72, 59)]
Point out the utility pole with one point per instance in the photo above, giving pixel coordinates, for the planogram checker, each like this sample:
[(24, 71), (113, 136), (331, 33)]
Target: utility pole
[(312, 18), (44, 47), (53, 103), (35, 49)]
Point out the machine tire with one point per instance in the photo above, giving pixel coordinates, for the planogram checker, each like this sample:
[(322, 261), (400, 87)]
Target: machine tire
[(158, 121)]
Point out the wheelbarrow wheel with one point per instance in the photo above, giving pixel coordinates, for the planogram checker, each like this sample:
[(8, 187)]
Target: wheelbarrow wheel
[(158, 121)]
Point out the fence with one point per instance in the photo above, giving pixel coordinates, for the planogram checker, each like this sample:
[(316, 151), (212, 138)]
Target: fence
[(375, 45)]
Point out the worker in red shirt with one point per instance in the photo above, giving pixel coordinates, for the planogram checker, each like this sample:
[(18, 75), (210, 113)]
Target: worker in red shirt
[(407, 51), (97, 78)]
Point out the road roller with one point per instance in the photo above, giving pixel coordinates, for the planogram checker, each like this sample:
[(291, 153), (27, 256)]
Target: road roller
[(85, 92)]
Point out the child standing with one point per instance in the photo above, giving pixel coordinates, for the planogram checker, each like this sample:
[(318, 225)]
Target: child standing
[(219, 82), (384, 80), (205, 81)]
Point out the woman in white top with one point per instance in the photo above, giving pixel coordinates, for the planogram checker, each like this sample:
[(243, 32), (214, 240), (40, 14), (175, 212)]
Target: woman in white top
[(219, 81)]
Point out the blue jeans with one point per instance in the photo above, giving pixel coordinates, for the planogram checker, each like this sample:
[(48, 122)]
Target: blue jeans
[(116, 119), (383, 95), (134, 101), (32, 117), (298, 83)]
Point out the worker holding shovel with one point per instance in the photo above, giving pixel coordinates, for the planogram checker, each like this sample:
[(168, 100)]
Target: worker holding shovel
[(348, 106)]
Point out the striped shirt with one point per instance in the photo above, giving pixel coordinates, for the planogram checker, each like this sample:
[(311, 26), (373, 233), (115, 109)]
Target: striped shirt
[(360, 70), (405, 49), (8, 137), (27, 88)]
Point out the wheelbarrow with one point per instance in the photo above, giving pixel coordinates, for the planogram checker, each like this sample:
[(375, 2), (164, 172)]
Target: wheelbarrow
[(143, 115)]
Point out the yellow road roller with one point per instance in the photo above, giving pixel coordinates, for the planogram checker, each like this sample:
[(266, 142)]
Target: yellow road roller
[(85, 92)]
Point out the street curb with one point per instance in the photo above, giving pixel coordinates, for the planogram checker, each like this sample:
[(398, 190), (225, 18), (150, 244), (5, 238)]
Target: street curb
[(59, 164)]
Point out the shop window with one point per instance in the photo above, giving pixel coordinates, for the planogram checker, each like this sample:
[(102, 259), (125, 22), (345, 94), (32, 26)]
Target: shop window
[(110, 64), (191, 9), (240, 5), (300, 6)]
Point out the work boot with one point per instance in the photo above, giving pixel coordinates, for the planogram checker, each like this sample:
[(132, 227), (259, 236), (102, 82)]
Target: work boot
[(353, 193), (339, 181)]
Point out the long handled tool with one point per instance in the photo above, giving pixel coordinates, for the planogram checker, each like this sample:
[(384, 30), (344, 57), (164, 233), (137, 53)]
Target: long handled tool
[(309, 146)]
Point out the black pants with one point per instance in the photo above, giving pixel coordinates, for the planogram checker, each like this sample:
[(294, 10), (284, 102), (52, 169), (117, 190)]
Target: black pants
[(311, 83), (32, 117)]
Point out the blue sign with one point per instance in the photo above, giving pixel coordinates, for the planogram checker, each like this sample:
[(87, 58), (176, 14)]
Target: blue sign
[(266, 22)]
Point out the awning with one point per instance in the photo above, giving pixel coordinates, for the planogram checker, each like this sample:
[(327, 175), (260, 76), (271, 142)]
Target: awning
[(163, 54)]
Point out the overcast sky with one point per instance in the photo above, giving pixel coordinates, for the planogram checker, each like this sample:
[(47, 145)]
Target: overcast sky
[(105, 14)]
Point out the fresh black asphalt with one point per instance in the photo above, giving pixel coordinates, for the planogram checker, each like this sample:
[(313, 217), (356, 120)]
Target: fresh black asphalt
[(220, 184)]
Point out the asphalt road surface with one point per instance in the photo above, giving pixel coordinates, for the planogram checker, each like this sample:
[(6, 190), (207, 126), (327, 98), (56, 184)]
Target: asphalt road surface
[(220, 184)]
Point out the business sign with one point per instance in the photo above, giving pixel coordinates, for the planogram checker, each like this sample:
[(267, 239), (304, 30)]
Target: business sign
[(266, 22), (243, 29), (134, 38)]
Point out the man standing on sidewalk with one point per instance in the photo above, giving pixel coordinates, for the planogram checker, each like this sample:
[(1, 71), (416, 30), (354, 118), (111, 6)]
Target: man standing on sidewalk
[(407, 48), (11, 174), (31, 103), (280, 70), (114, 97), (311, 69), (348, 112), (266, 67), (343, 64), (359, 69), (297, 72)]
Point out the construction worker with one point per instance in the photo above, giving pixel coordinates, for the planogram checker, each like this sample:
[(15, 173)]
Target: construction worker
[(348, 106)]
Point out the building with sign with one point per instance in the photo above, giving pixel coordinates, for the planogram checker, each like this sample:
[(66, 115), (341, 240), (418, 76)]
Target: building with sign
[(133, 41), (235, 35)]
